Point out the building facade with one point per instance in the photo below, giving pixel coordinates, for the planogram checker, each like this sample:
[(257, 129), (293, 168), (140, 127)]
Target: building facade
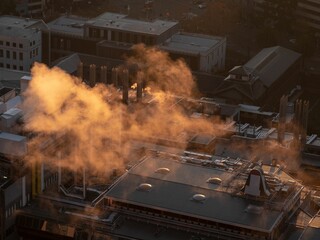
[(20, 43)]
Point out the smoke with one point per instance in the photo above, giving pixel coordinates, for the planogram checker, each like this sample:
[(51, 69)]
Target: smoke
[(162, 73), (96, 125)]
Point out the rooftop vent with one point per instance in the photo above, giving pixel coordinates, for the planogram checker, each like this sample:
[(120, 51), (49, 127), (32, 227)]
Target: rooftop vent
[(214, 180), (144, 187), (254, 209), (163, 170), (198, 197)]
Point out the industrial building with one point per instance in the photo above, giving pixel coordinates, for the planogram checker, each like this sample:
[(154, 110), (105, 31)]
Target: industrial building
[(262, 81), (112, 35), (197, 189)]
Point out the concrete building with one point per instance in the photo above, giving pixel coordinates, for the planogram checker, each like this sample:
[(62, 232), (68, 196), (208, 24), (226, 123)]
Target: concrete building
[(20, 42), (157, 199), (31, 8), (112, 35), (201, 52)]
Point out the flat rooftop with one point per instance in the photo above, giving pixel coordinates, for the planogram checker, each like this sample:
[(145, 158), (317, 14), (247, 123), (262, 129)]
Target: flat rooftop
[(71, 25), (20, 22), (173, 191), (191, 43), (122, 22), (14, 31)]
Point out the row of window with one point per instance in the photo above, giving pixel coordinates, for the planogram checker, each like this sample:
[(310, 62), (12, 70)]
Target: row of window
[(14, 67), (122, 36), (8, 55), (33, 54), (14, 44)]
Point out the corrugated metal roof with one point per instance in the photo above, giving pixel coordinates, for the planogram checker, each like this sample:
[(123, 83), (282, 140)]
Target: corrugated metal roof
[(271, 63)]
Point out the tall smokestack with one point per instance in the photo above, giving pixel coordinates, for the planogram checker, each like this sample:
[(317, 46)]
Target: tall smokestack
[(92, 75), (297, 118), (282, 118), (125, 86), (80, 71), (114, 76), (139, 86), (304, 122), (103, 74)]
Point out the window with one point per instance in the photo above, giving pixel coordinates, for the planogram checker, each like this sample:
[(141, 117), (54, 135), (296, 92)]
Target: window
[(20, 68), (1, 53), (113, 36), (14, 44), (1, 65), (21, 56), (7, 44), (37, 52), (30, 44), (20, 45), (14, 67), (8, 65), (8, 54), (14, 55), (1, 42), (61, 44)]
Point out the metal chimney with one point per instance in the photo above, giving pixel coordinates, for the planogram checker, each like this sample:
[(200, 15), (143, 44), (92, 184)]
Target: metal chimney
[(139, 86), (80, 71), (304, 122), (92, 75), (114, 76), (103, 74), (282, 118), (125, 86)]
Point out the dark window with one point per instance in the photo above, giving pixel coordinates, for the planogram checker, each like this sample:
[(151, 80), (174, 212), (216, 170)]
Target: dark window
[(14, 67), (1, 42), (30, 54), (14, 44), (1, 65), (61, 43), (8, 65), (21, 56), (7, 44), (1, 53), (14, 55), (8, 54), (34, 43), (20, 45), (120, 37), (20, 68), (113, 36)]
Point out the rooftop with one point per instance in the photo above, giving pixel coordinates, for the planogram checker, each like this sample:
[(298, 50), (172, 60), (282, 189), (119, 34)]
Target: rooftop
[(191, 43), (122, 22), (270, 63), (16, 31), (19, 22), (73, 25), (175, 190)]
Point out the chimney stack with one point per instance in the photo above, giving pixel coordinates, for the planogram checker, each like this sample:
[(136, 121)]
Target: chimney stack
[(103, 74), (114, 76), (125, 86), (139, 86), (80, 71), (282, 118), (92, 76)]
